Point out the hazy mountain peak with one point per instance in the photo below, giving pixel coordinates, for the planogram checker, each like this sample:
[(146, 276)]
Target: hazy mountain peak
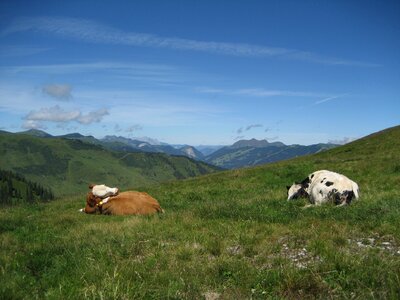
[(192, 152), (254, 143), (113, 137), (149, 140), (36, 132)]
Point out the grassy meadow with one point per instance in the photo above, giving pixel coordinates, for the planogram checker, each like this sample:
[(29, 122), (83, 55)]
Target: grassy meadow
[(228, 235)]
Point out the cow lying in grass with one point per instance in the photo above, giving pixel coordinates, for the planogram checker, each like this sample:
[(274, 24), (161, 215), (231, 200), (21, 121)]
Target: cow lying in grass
[(325, 186), (108, 201)]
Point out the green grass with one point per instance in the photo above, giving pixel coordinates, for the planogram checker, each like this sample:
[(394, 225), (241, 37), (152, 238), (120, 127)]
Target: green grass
[(230, 234)]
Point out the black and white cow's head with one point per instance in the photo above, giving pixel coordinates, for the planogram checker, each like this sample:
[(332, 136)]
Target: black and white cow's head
[(298, 190)]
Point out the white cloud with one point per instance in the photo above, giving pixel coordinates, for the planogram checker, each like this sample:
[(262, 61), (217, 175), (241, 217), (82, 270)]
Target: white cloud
[(93, 116), (57, 114), (53, 114), (58, 91), (94, 32), (32, 124), (342, 141)]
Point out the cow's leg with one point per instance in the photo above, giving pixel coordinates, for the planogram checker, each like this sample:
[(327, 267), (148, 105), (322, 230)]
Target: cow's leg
[(308, 206), (101, 203), (344, 203), (105, 200)]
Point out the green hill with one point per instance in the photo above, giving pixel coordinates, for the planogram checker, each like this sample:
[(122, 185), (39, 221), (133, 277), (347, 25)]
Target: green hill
[(229, 235), (68, 165)]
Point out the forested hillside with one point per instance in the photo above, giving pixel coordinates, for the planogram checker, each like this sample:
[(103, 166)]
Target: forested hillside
[(15, 189)]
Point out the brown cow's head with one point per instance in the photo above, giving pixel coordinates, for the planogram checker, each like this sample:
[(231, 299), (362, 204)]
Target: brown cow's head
[(96, 195), (91, 203)]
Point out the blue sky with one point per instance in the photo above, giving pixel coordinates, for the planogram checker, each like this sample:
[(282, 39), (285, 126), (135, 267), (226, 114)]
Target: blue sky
[(201, 72)]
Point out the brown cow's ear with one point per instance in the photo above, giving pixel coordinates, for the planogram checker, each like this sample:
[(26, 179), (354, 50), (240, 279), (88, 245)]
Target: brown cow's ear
[(91, 185)]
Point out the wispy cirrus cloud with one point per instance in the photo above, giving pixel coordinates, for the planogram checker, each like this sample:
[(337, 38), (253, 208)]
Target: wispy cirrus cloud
[(93, 32), (329, 99), (241, 130), (159, 74), (12, 51), (259, 92), (138, 69), (253, 126)]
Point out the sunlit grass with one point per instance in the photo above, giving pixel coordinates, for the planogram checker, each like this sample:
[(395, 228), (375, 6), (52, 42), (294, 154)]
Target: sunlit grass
[(230, 235)]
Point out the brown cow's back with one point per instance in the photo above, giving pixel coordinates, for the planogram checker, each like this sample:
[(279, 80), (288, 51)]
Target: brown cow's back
[(131, 203)]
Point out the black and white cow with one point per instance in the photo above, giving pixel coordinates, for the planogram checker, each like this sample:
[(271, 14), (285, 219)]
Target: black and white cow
[(325, 186)]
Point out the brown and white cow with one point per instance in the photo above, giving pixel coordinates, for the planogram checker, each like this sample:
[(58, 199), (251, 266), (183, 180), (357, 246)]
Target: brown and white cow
[(114, 203), (325, 186)]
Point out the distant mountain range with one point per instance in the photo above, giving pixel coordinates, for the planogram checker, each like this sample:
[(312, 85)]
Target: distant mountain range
[(67, 164), (243, 153), (254, 152), (119, 143)]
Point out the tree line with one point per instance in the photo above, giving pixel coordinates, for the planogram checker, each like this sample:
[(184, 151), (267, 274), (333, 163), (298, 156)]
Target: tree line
[(14, 188)]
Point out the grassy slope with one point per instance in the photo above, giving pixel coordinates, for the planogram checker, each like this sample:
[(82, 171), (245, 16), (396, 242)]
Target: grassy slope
[(67, 166), (230, 234)]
